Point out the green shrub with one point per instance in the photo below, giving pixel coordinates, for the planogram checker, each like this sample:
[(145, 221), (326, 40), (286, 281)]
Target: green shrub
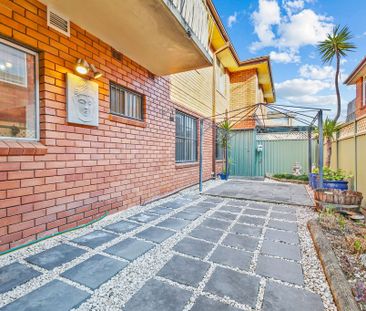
[(292, 177)]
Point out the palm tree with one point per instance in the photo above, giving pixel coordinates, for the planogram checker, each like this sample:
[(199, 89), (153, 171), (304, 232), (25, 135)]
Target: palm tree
[(330, 129), (336, 45)]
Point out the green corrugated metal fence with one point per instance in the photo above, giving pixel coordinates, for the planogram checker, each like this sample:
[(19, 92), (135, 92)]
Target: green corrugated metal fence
[(278, 155)]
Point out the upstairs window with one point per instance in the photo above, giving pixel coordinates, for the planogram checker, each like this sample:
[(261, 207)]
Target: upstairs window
[(221, 78), (126, 103), (185, 138), (18, 92)]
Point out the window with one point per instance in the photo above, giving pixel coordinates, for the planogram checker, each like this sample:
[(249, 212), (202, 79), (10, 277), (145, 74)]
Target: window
[(125, 102), (19, 92), (221, 78), (219, 148), (185, 138)]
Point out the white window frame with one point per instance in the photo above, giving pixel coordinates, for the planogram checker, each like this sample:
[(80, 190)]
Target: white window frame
[(36, 89)]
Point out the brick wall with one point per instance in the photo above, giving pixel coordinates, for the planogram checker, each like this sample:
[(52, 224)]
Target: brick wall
[(360, 108), (243, 89), (86, 170)]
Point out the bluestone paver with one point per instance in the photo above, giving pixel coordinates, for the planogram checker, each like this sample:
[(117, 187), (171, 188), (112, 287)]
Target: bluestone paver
[(174, 223), (278, 297), (206, 304), (216, 224), (197, 209), (160, 210), (14, 275), (122, 226), (175, 204), (184, 270), (242, 242), (231, 209), (95, 238), (207, 234), (192, 247), (255, 212), (55, 256), (282, 236), (224, 216), (143, 217), (94, 271), (55, 296), (247, 229), (232, 257), (156, 235), (158, 296), (252, 220), (237, 286), (283, 216), (130, 249), (282, 250), (187, 215), (280, 269), (283, 225)]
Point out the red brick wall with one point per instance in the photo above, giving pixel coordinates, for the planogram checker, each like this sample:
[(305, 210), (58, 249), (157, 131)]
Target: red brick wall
[(87, 170), (360, 108)]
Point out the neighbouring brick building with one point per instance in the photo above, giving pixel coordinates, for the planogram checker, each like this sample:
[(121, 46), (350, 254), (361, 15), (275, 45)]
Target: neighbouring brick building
[(358, 78), (55, 174)]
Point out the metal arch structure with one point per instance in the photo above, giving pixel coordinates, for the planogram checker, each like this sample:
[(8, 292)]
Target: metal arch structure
[(301, 115)]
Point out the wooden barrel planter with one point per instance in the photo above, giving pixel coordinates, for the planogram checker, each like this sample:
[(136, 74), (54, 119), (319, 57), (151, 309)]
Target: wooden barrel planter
[(339, 199)]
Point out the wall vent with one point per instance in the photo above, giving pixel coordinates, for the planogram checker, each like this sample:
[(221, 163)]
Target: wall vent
[(58, 22), (117, 55)]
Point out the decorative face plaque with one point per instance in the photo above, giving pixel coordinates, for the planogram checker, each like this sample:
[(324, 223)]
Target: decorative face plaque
[(82, 101)]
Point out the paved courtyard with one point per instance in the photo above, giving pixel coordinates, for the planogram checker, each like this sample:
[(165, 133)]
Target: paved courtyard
[(190, 252), (274, 192)]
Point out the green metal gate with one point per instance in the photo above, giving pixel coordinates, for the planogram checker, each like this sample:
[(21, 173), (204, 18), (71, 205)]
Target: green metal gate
[(242, 157), (256, 155)]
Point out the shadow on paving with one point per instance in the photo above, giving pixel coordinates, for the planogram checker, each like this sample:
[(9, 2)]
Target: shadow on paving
[(261, 191)]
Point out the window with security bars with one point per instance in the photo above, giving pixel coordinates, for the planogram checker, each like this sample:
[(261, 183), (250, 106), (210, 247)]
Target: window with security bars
[(185, 138), (219, 147), (126, 103)]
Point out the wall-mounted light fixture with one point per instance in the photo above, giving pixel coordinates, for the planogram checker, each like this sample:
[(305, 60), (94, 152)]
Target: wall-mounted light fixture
[(83, 68)]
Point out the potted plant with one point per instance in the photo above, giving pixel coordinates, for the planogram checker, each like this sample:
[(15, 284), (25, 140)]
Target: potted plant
[(332, 179), (223, 136)]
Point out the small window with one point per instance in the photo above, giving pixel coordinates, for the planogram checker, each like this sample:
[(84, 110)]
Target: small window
[(219, 147), (185, 138), (18, 92), (125, 102)]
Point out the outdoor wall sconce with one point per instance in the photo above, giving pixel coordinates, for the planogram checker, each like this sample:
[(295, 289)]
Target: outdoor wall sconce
[(83, 68)]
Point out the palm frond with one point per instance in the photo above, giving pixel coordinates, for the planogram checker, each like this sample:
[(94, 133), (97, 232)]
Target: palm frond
[(336, 43)]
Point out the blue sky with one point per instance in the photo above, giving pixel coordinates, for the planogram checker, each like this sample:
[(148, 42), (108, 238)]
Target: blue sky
[(288, 31)]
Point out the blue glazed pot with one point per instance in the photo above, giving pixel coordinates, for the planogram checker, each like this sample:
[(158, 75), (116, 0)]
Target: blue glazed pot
[(335, 184), (313, 180), (223, 176)]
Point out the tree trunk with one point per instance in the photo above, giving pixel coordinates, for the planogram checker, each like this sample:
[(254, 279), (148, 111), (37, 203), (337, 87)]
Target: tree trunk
[(336, 82), (329, 151)]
